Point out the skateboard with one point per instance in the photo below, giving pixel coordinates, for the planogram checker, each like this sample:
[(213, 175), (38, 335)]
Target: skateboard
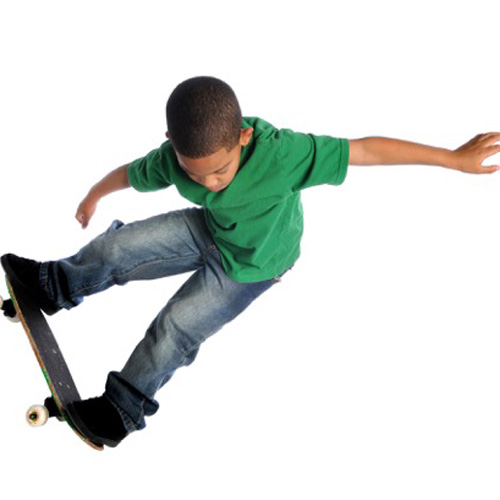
[(55, 370)]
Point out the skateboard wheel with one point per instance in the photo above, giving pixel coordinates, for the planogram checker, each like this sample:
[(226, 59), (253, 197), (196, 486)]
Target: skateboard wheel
[(15, 319), (37, 415)]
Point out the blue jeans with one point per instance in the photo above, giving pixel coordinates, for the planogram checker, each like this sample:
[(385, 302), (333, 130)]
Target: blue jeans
[(165, 245)]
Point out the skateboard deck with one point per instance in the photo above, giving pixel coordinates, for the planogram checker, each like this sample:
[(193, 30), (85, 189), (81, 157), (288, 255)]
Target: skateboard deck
[(51, 361)]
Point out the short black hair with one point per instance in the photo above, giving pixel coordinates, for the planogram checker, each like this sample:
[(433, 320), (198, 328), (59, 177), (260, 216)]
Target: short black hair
[(203, 115)]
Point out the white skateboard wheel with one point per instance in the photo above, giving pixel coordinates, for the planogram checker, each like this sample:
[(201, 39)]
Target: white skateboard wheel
[(15, 319), (37, 415)]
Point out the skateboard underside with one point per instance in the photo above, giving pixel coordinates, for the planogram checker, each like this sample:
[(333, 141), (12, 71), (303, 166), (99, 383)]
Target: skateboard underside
[(51, 361)]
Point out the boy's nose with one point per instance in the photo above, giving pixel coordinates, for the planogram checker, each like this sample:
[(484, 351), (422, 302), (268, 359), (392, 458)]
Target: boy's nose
[(210, 183)]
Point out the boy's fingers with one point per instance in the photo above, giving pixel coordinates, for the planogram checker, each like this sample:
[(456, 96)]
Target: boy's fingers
[(492, 137), (80, 217), (488, 151), (490, 169)]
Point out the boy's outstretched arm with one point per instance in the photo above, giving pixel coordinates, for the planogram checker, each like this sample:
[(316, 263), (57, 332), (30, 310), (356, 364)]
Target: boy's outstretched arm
[(114, 181), (467, 158)]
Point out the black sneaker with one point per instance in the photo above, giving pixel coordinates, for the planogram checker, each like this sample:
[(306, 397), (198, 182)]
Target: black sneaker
[(99, 420), (26, 273)]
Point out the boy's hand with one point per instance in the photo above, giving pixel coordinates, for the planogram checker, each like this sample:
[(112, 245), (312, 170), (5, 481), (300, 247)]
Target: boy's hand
[(470, 156), (85, 211)]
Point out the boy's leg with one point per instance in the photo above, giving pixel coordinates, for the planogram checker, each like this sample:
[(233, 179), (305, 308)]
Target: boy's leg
[(205, 303), (161, 246)]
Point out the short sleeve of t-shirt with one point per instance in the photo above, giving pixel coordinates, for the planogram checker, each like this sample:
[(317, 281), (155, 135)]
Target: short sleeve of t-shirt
[(152, 172), (311, 160)]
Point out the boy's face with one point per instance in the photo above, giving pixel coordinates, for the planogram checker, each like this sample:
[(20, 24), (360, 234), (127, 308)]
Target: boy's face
[(217, 170)]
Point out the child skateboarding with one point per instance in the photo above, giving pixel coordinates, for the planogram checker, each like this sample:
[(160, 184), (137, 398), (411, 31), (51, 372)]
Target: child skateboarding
[(245, 176)]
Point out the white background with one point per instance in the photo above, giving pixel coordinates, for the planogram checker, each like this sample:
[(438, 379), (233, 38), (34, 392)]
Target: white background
[(373, 370)]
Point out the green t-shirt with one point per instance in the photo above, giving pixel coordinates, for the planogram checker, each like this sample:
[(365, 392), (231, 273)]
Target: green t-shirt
[(257, 221)]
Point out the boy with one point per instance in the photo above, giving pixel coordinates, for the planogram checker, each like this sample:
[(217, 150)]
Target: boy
[(247, 176)]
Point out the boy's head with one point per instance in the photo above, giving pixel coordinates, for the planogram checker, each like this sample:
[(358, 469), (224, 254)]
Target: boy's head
[(203, 115), (204, 127)]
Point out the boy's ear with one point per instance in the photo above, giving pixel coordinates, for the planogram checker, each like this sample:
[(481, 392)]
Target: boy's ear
[(245, 136), (167, 135)]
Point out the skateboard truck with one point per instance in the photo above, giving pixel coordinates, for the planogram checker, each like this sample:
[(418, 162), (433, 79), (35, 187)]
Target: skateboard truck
[(9, 311)]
